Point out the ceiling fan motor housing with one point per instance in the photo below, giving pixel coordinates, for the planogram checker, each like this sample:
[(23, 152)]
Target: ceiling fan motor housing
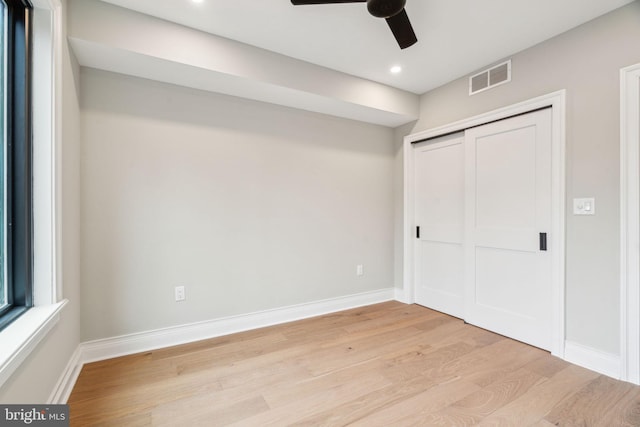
[(385, 8)]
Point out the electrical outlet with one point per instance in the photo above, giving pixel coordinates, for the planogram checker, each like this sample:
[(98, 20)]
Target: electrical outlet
[(359, 270), (179, 293)]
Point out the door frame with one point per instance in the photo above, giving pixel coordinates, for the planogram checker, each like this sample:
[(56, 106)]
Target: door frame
[(557, 102), (629, 224)]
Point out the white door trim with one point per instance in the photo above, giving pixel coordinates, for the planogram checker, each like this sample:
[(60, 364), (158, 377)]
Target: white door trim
[(555, 100), (629, 223)]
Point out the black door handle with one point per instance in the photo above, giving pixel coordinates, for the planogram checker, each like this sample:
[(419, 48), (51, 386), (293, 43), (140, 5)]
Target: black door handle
[(543, 241), (417, 232)]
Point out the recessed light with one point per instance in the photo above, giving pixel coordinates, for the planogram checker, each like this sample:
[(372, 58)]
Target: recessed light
[(198, 1), (395, 69)]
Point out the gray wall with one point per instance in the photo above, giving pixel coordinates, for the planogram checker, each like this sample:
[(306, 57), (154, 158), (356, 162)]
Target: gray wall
[(37, 376), (586, 62), (250, 206)]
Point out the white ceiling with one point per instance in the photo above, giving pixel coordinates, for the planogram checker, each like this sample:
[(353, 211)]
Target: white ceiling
[(455, 37)]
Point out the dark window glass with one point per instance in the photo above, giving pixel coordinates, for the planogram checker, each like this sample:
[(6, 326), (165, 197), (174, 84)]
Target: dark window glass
[(16, 229)]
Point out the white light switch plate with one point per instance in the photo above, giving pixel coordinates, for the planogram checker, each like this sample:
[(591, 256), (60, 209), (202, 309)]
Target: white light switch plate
[(584, 206)]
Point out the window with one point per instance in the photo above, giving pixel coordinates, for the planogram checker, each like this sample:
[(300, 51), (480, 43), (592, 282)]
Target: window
[(16, 220), (32, 190)]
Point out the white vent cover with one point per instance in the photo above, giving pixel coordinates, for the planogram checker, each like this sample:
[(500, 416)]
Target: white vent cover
[(489, 78)]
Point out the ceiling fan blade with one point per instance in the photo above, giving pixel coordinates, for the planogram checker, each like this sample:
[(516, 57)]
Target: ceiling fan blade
[(402, 29), (303, 2)]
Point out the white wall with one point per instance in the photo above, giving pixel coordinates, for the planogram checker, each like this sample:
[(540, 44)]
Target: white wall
[(586, 62), (36, 378), (250, 206)]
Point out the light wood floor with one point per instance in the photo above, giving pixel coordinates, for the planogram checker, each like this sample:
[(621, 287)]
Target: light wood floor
[(384, 365)]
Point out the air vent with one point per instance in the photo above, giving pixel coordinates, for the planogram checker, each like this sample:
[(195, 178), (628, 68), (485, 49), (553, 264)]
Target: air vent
[(492, 77)]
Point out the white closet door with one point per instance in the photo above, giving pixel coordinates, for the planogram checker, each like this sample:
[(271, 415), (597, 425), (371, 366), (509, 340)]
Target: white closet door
[(439, 210), (508, 207)]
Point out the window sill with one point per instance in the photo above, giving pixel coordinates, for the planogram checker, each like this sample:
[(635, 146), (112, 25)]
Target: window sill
[(20, 338)]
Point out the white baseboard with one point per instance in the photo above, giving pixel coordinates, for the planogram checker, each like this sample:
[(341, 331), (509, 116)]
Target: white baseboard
[(401, 296), (602, 362), (63, 388), (108, 348), (150, 340)]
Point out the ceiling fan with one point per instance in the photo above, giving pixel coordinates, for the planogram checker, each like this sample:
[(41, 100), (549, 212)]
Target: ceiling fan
[(391, 10)]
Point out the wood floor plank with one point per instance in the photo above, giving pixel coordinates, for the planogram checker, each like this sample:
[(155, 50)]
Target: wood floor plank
[(322, 400), (547, 366), (589, 404), (542, 423), (232, 366), (400, 317), (124, 372), (625, 412), (135, 420), (538, 401), (415, 409), (202, 415), (222, 347), (352, 410), (122, 401), (332, 358), (324, 324), (499, 360), (471, 409), (426, 363), (386, 364), (294, 388)]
